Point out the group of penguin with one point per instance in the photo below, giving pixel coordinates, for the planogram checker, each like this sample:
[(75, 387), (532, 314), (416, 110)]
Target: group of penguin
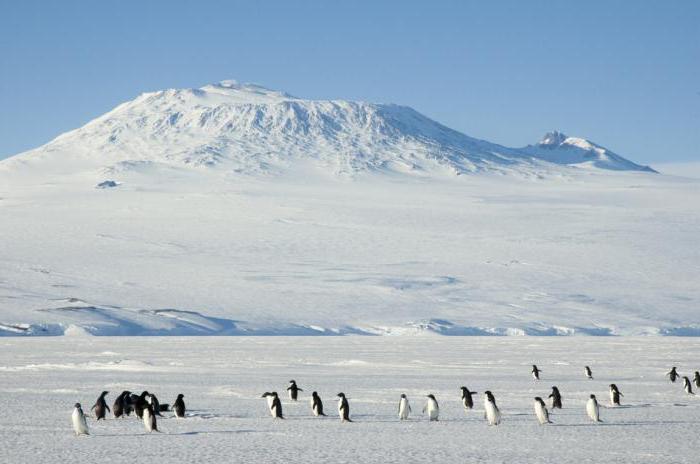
[(145, 406)]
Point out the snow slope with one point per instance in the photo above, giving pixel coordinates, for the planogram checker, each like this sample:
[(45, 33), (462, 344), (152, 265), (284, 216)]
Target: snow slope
[(233, 209), (222, 379)]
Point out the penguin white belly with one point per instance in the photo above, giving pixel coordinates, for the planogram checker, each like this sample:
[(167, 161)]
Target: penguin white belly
[(147, 420), (493, 415), (404, 409), (593, 411), (541, 412), (612, 398), (79, 423)]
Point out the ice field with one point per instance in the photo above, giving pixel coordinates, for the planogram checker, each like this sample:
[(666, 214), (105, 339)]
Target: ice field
[(222, 379)]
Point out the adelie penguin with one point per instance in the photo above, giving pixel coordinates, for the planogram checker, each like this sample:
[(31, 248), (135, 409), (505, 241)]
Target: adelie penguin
[(343, 408), (101, 407), (80, 426), (467, 400), (153, 401), (293, 390), (615, 395), (149, 419), (404, 407), (672, 374), (432, 408), (696, 379), (491, 411), (687, 386), (536, 372), (179, 406), (592, 409), (589, 373), (541, 411), (274, 404), (317, 405), (556, 398), (118, 406), (140, 403)]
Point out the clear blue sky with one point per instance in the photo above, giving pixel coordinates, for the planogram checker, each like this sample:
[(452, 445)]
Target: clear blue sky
[(623, 74)]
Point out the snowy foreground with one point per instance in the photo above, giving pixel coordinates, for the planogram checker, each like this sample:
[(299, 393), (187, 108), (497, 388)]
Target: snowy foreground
[(222, 379)]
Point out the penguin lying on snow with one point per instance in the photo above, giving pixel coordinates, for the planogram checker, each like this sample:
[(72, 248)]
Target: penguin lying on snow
[(80, 426)]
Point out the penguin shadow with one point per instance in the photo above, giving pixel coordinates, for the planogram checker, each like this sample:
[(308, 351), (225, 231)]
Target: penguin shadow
[(628, 406), (623, 424), (215, 432)]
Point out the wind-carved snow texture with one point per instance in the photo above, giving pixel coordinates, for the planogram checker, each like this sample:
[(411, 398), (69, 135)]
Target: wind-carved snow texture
[(233, 210)]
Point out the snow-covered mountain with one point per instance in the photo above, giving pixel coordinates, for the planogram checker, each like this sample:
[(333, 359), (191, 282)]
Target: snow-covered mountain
[(233, 209), (561, 149), (249, 129)]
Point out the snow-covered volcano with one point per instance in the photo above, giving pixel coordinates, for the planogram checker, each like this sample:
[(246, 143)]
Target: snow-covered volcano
[(233, 209), (249, 129)]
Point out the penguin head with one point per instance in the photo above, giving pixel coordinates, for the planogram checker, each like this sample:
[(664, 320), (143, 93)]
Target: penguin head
[(463, 389), (274, 394), (592, 396), (314, 394), (555, 389), (613, 387), (180, 396), (340, 395), (403, 395), (144, 394), (77, 406), (292, 382), (266, 394), (489, 395), (431, 396), (104, 393), (539, 400)]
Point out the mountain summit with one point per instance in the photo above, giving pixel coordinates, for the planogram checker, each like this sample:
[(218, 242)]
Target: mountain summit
[(252, 130)]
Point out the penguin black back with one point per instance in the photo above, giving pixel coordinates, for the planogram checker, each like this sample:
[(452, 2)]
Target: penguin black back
[(101, 407), (179, 406), (556, 398), (467, 400), (343, 408), (317, 404)]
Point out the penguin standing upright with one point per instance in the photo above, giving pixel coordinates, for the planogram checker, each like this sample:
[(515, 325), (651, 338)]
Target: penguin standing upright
[(140, 403), (615, 395), (672, 374), (404, 407), (536, 372), (101, 407), (541, 411), (592, 409), (491, 411), (80, 426), (275, 404), (343, 408), (317, 405), (118, 406), (696, 379), (467, 400), (149, 418), (432, 408), (127, 402), (589, 372), (293, 390), (687, 386), (556, 398), (153, 401), (179, 406)]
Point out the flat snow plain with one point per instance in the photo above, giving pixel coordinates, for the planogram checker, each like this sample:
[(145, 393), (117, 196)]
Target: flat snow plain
[(222, 379)]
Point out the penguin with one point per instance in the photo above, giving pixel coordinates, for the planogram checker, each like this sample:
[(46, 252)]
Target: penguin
[(556, 398), (179, 406), (615, 395), (118, 406), (687, 386), (696, 379), (127, 403), (317, 405), (589, 372), (541, 411), (432, 408), (467, 400), (592, 409), (672, 374), (293, 390), (493, 415), (153, 401), (101, 407), (343, 408), (80, 426), (404, 407), (536, 372), (149, 419), (140, 403), (275, 406)]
